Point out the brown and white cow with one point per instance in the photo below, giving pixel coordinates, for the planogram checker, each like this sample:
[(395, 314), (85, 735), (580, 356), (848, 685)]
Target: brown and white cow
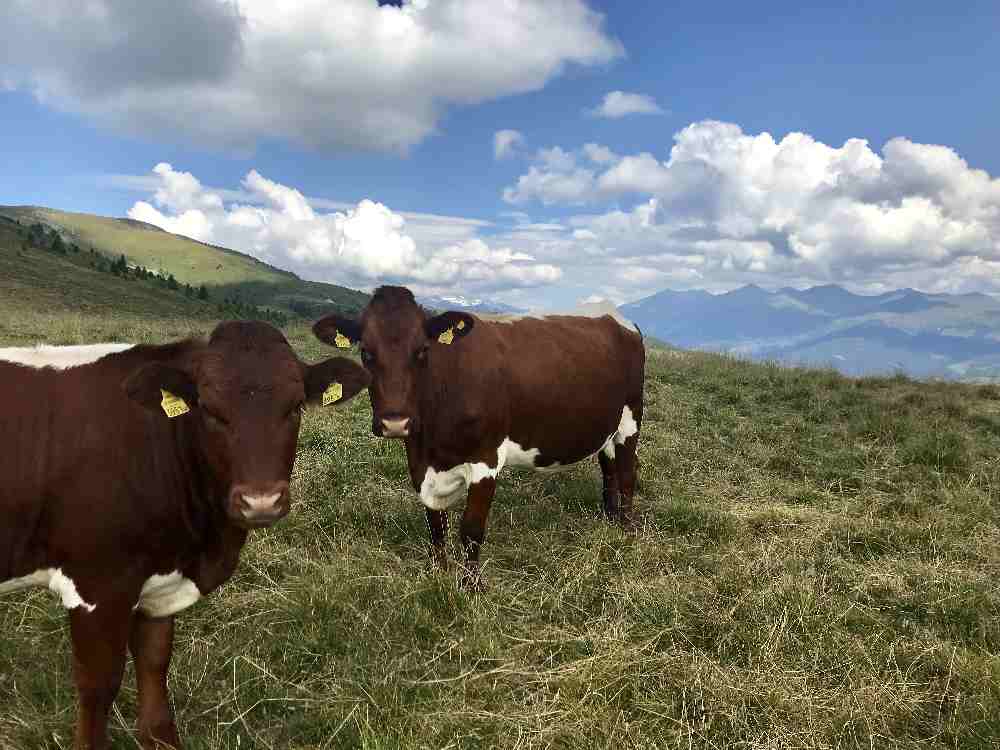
[(470, 396), (130, 482)]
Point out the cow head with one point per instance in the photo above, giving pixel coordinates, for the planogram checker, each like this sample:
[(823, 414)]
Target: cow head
[(243, 393), (397, 338)]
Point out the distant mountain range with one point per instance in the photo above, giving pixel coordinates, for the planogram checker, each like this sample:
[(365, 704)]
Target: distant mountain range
[(924, 335), (458, 302)]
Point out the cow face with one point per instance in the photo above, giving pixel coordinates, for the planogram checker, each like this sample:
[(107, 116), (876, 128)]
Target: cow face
[(243, 395), (397, 339)]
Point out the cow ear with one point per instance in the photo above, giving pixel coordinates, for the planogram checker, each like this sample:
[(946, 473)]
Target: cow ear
[(447, 327), (337, 331), (162, 388), (335, 381)]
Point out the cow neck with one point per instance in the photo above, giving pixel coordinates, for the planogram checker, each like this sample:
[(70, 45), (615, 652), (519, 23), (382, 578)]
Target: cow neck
[(210, 549), (435, 393), (201, 497)]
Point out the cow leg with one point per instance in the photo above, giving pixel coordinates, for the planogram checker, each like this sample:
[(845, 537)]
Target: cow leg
[(151, 643), (99, 645), (437, 524), (477, 509), (609, 473), (627, 465)]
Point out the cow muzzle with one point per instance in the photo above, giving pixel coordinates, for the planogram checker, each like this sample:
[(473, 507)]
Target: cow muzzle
[(391, 426), (254, 506)]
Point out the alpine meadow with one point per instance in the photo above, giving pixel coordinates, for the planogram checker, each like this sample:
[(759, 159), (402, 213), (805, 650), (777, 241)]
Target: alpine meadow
[(816, 565), (499, 375)]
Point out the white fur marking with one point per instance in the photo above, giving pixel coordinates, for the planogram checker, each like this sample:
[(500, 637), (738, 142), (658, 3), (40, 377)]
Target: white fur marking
[(59, 357), (516, 455), (164, 595), (626, 427), (609, 446), (54, 579), (439, 490)]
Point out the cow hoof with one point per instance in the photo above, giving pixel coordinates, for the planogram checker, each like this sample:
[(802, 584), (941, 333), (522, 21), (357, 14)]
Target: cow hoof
[(473, 582), (163, 736), (629, 522), (436, 564)]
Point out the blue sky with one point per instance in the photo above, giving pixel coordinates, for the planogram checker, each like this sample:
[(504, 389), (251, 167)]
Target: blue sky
[(388, 117)]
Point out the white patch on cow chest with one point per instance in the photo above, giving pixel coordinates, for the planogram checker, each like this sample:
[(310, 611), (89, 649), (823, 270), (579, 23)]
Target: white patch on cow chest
[(59, 357), (54, 579), (164, 595)]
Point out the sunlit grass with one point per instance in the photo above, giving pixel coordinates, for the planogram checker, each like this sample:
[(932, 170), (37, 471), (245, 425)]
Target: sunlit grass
[(818, 566)]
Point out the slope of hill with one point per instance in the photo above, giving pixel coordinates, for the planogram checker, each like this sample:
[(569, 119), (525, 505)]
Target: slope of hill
[(941, 335), (816, 568), (35, 282), (226, 272)]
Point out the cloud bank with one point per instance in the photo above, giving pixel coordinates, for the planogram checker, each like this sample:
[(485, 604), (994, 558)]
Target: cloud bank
[(362, 246), (353, 74), (728, 207)]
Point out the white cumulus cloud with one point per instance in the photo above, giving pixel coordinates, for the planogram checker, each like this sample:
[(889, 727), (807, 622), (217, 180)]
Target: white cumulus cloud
[(351, 74), (362, 245), (505, 143), (727, 207), (618, 104)]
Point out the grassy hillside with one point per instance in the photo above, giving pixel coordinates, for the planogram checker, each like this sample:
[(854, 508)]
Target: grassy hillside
[(225, 272), (42, 293), (818, 567)]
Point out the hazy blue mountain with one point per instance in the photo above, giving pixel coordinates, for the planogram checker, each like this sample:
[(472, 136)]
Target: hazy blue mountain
[(941, 335), (459, 302)]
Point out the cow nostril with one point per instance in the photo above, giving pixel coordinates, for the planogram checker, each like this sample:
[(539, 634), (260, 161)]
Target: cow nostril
[(255, 505), (259, 504), (396, 427)]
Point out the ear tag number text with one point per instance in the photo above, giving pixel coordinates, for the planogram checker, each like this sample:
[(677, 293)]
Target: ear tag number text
[(333, 393), (173, 406)]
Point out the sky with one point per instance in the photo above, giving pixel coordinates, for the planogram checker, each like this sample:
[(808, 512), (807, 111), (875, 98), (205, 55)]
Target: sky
[(535, 152)]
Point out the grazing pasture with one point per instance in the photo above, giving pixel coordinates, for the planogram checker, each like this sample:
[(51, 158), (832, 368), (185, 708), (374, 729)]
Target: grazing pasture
[(817, 565)]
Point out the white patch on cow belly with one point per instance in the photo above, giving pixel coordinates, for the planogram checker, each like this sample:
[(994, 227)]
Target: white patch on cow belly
[(514, 454), (626, 427), (609, 446), (439, 490), (164, 595), (59, 357), (54, 579)]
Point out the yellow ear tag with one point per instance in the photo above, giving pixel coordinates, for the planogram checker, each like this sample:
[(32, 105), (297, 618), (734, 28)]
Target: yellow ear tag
[(461, 325), (447, 337), (173, 406), (333, 394), (342, 341)]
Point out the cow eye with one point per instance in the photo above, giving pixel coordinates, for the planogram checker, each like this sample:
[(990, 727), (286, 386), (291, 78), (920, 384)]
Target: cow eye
[(367, 358), (421, 355)]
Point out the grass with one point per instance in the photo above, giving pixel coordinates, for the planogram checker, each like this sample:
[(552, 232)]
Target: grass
[(41, 292), (817, 567)]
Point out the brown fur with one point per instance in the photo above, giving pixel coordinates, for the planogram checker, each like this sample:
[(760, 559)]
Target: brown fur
[(99, 483), (557, 384)]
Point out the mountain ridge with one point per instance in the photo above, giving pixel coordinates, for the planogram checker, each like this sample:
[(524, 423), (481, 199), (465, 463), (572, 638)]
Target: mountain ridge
[(924, 334)]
